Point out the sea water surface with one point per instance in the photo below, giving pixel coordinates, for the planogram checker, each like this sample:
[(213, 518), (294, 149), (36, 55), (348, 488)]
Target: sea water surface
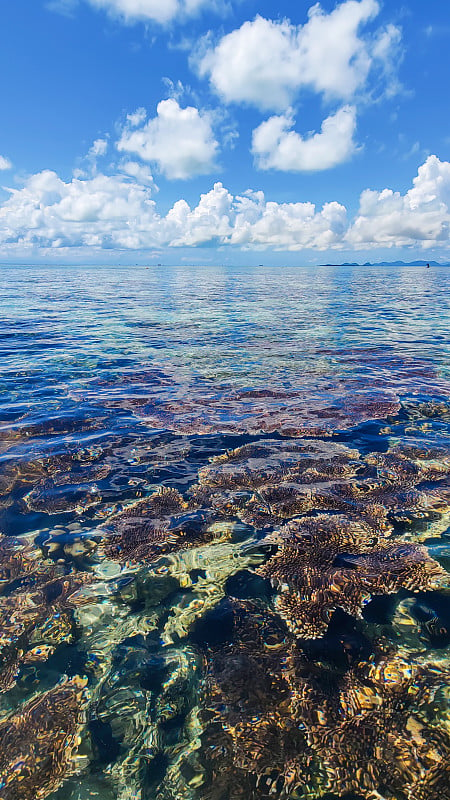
[(224, 519)]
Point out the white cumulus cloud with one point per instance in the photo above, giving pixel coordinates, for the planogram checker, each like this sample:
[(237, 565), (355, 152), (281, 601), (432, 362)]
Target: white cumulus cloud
[(210, 221), (292, 226), (388, 53), (265, 63), (133, 10), (276, 146), (140, 172), (180, 141), (104, 212), (99, 148), (421, 216), (130, 11), (256, 64), (5, 163), (137, 117)]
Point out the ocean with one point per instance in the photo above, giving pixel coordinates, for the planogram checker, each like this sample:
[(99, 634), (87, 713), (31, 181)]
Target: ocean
[(224, 519)]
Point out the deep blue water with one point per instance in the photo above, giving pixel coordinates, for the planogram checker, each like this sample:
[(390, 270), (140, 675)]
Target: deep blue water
[(115, 382)]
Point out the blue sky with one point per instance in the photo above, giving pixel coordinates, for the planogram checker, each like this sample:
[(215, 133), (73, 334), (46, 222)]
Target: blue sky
[(136, 131)]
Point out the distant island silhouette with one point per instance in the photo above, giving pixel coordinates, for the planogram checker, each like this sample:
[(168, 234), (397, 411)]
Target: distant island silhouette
[(387, 264)]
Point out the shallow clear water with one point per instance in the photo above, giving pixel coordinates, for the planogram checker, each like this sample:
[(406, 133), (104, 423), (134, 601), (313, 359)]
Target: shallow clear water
[(278, 624)]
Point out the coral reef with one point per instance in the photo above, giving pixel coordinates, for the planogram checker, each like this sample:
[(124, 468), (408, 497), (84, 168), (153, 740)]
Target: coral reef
[(34, 622), (278, 722), (38, 743), (328, 562), (37, 600), (161, 524), (276, 626)]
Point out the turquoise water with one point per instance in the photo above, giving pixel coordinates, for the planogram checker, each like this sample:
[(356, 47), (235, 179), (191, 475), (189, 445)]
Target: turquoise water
[(225, 533)]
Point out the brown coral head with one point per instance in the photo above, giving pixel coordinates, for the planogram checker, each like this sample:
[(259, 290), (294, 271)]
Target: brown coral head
[(401, 565)]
